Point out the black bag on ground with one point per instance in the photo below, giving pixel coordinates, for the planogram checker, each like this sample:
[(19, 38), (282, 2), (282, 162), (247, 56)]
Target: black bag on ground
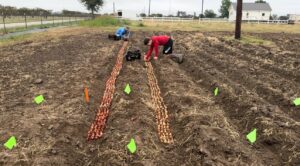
[(114, 37), (133, 55)]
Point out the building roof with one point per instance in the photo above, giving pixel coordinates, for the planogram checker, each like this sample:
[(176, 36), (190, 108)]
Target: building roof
[(254, 6)]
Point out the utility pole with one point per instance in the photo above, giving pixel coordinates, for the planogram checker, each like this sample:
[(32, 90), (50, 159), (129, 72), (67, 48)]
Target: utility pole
[(169, 7), (114, 8), (3, 17), (41, 18), (149, 8), (25, 20), (238, 23), (202, 8), (53, 20)]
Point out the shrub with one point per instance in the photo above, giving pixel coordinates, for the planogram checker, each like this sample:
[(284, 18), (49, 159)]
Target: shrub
[(141, 24)]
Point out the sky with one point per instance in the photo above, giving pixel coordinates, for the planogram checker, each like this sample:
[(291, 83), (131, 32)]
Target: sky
[(280, 7)]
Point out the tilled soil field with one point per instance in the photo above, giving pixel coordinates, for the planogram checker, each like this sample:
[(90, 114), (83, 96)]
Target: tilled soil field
[(257, 86)]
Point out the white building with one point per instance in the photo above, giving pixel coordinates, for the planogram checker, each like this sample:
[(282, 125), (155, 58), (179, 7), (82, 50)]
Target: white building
[(128, 14), (251, 11)]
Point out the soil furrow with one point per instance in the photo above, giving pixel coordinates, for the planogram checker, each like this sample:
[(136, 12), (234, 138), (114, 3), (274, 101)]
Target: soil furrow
[(205, 115), (262, 61), (270, 95)]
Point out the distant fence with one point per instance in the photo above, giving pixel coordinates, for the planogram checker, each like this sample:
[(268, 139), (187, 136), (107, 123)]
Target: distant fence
[(178, 19), (167, 19), (25, 21), (267, 21)]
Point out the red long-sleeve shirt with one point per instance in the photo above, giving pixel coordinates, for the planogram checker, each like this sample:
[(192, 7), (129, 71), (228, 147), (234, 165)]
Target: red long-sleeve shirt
[(157, 41)]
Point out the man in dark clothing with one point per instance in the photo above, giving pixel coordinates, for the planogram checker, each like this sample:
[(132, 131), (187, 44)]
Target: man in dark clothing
[(167, 42)]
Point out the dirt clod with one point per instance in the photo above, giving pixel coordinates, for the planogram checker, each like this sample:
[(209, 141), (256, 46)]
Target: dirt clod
[(38, 81), (254, 109), (53, 151), (50, 127)]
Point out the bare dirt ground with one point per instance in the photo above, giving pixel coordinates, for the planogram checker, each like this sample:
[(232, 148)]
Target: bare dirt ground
[(257, 85)]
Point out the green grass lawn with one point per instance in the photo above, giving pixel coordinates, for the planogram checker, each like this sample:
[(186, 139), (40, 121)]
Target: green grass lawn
[(14, 39), (21, 19), (221, 26), (247, 39), (20, 29), (108, 23), (111, 24), (105, 22)]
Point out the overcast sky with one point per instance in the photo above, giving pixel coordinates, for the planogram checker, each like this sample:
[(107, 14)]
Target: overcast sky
[(280, 7)]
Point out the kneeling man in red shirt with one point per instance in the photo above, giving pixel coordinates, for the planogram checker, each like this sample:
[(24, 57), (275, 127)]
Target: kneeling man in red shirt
[(155, 41)]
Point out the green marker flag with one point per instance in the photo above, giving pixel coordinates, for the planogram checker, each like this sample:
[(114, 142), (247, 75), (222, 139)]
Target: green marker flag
[(127, 89), (216, 91), (39, 99), (297, 102), (252, 136), (131, 146), (11, 143)]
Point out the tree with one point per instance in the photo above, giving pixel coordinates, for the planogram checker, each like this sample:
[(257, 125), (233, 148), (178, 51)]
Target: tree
[(181, 14), (23, 11), (9, 10), (210, 14), (156, 15), (260, 1), (159, 15), (143, 15), (283, 17), (224, 10), (274, 17), (92, 5)]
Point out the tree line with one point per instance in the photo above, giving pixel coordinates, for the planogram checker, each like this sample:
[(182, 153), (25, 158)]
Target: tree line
[(183, 14), (13, 11), (95, 5)]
